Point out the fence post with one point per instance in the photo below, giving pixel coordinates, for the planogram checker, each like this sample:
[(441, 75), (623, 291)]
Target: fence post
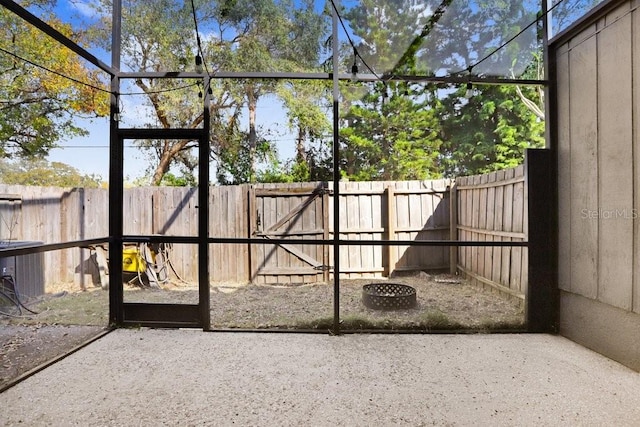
[(453, 227), (67, 209), (542, 305), (326, 262), (252, 207), (392, 251)]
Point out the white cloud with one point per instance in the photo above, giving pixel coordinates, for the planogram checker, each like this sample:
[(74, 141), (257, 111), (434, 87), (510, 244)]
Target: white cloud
[(84, 8)]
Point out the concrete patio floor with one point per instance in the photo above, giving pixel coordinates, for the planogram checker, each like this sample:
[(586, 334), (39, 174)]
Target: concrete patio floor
[(191, 378)]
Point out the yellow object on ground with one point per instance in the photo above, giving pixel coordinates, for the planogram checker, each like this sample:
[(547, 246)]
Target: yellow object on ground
[(132, 261)]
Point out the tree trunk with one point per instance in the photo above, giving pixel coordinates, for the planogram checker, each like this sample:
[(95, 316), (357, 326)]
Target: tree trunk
[(161, 169), (252, 101), (168, 154), (252, 121), (301, 153)]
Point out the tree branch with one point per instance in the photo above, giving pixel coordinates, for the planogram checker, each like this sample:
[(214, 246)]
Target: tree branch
[(535, 109)]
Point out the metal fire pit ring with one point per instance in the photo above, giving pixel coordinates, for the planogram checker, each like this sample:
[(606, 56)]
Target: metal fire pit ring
[(388, 296)]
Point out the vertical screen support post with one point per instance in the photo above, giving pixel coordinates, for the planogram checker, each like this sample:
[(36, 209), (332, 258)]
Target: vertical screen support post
[(336, 174), (542, 299)]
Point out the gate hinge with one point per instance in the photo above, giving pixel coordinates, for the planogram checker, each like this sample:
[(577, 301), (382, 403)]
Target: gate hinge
[(323, 267)]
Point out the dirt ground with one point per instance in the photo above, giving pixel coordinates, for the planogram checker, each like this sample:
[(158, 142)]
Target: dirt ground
[(25, 347), (65, 319), (68, 317), (443, 303)]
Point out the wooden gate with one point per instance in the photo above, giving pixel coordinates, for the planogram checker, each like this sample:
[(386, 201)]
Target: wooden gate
[(297, 213)]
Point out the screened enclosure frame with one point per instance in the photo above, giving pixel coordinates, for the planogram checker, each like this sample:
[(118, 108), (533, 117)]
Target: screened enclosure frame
[(541, 299)]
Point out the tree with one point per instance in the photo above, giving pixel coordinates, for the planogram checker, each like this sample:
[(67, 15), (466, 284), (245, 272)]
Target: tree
[(235, 35), (391, 134), (476, 37), (385, 29), (438, 131), (273, 36), (38, 107), (489, 131), (172, 180), (236, 165), (47, 174), (306, 103)]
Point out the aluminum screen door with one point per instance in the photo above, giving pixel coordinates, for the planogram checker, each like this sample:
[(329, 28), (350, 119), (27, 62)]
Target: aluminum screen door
[(158, 314)]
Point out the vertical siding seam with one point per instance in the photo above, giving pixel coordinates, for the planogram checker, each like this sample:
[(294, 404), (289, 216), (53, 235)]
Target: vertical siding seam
[(634, 121), (570, 186), (597, 148)]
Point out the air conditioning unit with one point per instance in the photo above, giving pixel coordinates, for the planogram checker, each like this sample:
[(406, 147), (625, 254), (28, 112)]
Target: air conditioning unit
[(27, 270)]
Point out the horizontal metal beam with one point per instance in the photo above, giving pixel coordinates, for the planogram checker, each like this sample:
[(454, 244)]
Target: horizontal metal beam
[(343, 76), (329, 242), (11, 197), (226, 75), (162, 315), (33, 249), (447, 79), (143, 133), (411, 331), (56, 35)]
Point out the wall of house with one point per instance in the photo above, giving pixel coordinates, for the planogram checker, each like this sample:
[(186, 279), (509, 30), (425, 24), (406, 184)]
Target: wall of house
[(598, 118)]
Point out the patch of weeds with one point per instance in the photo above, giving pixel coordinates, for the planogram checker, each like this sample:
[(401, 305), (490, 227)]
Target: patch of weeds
[(359, 322), (78, 308), (437, 320), (489, 324), (429, 320), (319, 323)]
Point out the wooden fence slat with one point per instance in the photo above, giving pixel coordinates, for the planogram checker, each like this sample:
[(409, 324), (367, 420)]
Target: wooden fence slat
[(490, 225), (366, 221), (281, 259), (482, 223), (392, 250), (498, 226), (453, 228), (468, 203), (524, 270), (517, 225), (402, 221), (475, 223), (441, 206), (507, 218), (326, 224)]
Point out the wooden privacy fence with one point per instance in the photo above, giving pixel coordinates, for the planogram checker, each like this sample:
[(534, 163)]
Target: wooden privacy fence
[(368, 211), (488, 207), (493, 207)]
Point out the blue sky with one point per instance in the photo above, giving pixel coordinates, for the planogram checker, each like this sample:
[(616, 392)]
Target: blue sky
[(90, 154)]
